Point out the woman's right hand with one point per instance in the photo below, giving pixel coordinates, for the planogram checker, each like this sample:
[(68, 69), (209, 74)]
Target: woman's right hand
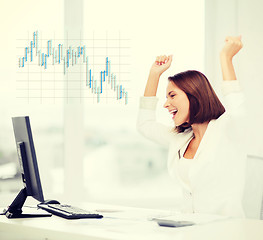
[(161, 64)]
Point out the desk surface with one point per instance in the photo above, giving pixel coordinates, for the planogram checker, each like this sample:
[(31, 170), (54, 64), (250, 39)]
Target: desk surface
[(125, 223)]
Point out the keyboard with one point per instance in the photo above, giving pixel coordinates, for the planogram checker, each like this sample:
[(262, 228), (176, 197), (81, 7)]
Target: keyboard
[(68, 211)]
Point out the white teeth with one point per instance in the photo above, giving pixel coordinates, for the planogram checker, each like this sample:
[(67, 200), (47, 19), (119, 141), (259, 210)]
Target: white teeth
[(173, 111)]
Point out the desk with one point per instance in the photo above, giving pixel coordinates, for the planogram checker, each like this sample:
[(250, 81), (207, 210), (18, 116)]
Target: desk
[(125, 223)]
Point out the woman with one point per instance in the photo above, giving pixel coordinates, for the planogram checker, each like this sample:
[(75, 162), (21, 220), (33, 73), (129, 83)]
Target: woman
[(205, 147)]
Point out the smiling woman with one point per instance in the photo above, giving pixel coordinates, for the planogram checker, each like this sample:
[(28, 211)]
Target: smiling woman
[(207, 152)]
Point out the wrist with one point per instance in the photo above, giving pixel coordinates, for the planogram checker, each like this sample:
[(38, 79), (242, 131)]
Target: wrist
[(225, 57), (155, 74), (227, 67)]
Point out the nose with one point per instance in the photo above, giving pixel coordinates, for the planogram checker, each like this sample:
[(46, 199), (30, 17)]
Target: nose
[(166, 104)]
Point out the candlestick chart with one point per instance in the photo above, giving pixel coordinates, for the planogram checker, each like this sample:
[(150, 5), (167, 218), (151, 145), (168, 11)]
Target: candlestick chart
[(93, 69)]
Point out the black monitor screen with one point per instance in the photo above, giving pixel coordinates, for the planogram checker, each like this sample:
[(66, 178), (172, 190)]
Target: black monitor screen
[(27, 157)]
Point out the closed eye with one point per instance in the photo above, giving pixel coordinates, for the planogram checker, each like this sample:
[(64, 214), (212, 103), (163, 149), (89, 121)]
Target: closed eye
[(171, 94)]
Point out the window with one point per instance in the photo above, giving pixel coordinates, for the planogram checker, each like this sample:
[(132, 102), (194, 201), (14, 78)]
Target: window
[(118, 164), (21, 19)]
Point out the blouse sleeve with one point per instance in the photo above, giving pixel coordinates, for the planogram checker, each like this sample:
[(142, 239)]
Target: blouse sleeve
[(147, 124), (234, 99), (234, 102)]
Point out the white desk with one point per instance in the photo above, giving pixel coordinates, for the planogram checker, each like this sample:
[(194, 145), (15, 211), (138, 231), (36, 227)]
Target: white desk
[(128, 223)]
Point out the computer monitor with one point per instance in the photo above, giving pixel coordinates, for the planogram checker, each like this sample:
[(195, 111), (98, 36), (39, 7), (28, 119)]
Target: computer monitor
[(28, 168)]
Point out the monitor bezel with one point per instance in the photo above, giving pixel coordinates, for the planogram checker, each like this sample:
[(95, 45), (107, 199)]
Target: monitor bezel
[(30, 172)]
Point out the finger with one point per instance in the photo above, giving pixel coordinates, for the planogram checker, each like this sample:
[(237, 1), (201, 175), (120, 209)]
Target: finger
[(233, 39), (170, 58), (166, 59), (157, 61), (162, 59), (237, 39)]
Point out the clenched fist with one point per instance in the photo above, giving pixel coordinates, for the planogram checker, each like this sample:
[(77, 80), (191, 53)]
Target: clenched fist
[(232, 47), (161, 64)]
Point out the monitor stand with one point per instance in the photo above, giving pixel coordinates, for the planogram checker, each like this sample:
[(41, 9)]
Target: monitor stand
[(15, 209)]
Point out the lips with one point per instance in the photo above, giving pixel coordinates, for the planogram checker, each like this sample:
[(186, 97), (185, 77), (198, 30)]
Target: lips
[(173, 112)]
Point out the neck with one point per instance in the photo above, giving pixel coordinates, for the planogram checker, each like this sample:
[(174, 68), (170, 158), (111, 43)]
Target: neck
[(199, 130)]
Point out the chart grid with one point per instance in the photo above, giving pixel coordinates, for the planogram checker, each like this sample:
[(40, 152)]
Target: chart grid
[(101, 77)]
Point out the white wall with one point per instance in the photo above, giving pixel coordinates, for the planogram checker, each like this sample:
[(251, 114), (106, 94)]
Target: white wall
[(239, 17), (250, 24)]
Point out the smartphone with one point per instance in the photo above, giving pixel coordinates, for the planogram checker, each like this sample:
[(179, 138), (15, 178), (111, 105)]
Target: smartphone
[(172, 223)]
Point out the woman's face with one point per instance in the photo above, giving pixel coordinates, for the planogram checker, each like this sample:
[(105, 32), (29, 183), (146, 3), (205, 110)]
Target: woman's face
[(177, 104)]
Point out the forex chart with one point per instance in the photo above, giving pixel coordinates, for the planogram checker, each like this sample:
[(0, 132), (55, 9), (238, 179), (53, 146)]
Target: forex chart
[(94, 69)]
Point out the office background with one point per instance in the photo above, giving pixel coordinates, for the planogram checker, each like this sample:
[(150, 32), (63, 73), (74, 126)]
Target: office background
[(91, 151)]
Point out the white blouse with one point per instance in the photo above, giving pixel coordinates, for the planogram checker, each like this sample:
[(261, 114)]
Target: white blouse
[(214, 182), (185, 164), (184, 167)]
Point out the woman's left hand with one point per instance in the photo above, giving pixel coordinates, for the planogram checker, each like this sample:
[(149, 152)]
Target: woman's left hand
[(232, 47)]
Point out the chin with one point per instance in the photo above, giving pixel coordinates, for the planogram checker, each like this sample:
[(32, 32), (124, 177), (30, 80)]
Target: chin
[(179, 123)]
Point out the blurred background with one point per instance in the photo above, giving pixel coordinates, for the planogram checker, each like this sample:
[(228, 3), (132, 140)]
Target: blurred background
[(90, 151)]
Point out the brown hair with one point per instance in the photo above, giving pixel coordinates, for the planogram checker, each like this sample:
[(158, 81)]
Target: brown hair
[(204, 103)]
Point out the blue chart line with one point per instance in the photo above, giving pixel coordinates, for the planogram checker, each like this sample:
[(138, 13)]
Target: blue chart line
[(68, 57)]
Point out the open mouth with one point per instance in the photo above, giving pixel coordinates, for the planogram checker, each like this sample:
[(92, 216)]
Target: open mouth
[(173, 112)]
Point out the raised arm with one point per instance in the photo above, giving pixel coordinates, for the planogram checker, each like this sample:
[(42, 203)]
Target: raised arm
[(234, 99), (161, 64), (231, 48), (146, 122)]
